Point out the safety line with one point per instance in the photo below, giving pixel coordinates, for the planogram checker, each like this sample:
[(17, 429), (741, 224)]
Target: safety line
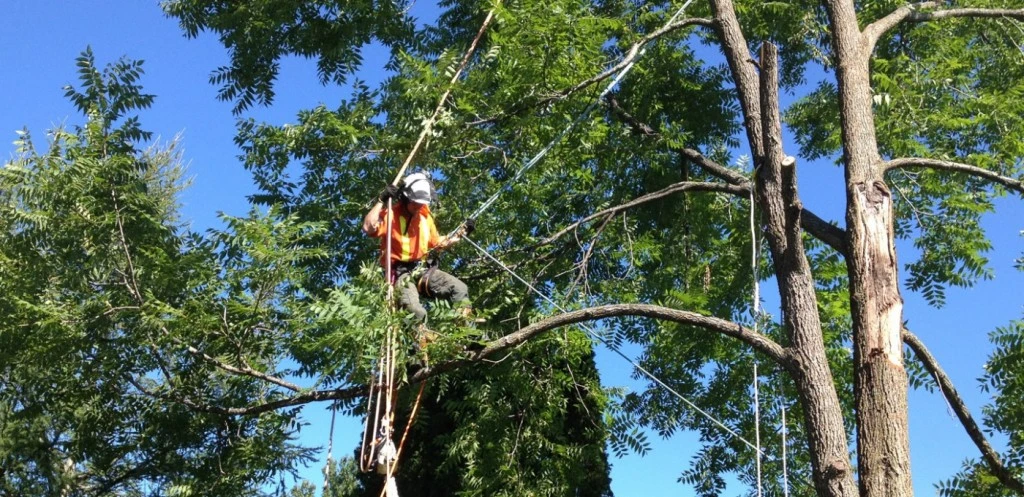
[(330, 447), (615, 349), (440, 104), (756, 314), (547, 148)]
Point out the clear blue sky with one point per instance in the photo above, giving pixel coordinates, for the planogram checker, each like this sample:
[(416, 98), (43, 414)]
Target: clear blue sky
[(40, 40)]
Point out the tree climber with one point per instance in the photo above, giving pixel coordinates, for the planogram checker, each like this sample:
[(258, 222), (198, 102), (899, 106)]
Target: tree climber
[(413, 237)]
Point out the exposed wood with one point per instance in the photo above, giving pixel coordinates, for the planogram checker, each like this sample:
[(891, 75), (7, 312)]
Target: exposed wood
[(780, 205), (880, 382)]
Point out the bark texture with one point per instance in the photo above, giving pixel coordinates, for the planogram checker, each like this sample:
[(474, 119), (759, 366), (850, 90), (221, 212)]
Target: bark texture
[(781, 211), (880, 382)]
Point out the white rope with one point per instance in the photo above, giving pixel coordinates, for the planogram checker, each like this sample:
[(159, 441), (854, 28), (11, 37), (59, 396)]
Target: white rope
[(785, 473), (330, 447), (615, 349), (757, 429), (547, 148), (756, 311)]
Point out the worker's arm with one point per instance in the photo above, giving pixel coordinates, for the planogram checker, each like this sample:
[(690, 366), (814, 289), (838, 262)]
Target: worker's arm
[(372, 219), (467, 227)]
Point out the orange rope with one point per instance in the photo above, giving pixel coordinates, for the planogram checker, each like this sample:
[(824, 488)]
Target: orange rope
[(405, 434)]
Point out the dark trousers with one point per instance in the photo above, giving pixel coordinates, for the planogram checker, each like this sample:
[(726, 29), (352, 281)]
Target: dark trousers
[(433, 283)]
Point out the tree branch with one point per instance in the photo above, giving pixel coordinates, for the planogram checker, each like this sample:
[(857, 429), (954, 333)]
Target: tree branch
[(631, 54), (1010, 183), (682, 186), (995, 465), (914, 13), (831, 235), (759, 342)]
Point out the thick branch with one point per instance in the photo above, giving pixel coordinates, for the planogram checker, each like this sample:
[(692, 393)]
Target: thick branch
[(995, 465), (914, 13), (1013, 184), (832, 235), (757, 341), (741, 65)]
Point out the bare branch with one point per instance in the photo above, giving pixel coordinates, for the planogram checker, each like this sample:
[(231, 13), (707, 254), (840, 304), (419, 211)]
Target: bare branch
[(682, 186), (758, 341), (995, 465), (1011, 183), (914, 12)]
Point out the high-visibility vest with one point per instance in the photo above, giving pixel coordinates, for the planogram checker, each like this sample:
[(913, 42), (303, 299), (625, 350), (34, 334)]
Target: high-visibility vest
[(412, 234)]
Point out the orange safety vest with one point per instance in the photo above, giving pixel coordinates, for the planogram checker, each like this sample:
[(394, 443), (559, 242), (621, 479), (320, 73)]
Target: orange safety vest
[(412, 234)]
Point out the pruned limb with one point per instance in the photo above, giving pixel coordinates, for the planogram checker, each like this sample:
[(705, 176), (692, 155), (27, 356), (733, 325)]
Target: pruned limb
[(830, 234), (995, 464), (915, 12), (908, 162)]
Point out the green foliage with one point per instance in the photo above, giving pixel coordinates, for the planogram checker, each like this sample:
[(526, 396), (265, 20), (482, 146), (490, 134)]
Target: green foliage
[(1004, 379), (259, 33), (114, 319)]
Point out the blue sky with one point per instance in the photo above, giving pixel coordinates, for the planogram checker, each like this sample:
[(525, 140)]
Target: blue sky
[(40, 40)]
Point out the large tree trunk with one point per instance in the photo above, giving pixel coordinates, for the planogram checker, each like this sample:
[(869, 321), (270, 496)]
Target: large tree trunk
[(883, 447), (780, 204)]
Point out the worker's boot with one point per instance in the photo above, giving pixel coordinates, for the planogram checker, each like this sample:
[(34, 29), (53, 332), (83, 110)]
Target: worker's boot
[(467, 315)]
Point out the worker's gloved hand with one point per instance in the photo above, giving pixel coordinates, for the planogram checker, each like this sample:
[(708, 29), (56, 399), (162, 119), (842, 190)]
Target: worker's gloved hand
[(470, 225), (390, 191)]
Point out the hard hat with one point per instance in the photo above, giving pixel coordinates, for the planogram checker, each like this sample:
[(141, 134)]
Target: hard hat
[(418, 188)]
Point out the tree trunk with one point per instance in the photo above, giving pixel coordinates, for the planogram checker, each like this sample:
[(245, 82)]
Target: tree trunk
[(883, 446), (781, 208)]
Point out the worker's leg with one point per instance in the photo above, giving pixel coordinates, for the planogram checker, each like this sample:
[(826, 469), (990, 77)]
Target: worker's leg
[(445, 286), (409, 296)]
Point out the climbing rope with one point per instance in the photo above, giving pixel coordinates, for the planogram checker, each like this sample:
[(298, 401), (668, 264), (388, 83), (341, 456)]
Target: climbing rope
[(615, 349), (756, 314), (785, 472), (330, 447), (429, 123), (630, 61), (377, 448)]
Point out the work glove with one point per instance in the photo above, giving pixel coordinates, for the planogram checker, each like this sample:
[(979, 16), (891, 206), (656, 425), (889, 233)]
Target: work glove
[(470, 225), (390, 191)]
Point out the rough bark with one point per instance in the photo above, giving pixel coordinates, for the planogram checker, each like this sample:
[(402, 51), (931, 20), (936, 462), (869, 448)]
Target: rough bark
[(880, 382), (781, 210)]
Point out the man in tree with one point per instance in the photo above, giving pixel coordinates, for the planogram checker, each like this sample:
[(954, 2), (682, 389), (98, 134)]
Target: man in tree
[(413, 236)]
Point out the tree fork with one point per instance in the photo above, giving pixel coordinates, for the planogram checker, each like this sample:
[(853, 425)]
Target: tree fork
[(780, 205)]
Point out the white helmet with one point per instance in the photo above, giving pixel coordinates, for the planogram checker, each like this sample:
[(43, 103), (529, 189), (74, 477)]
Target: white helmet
[(417, 188)]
